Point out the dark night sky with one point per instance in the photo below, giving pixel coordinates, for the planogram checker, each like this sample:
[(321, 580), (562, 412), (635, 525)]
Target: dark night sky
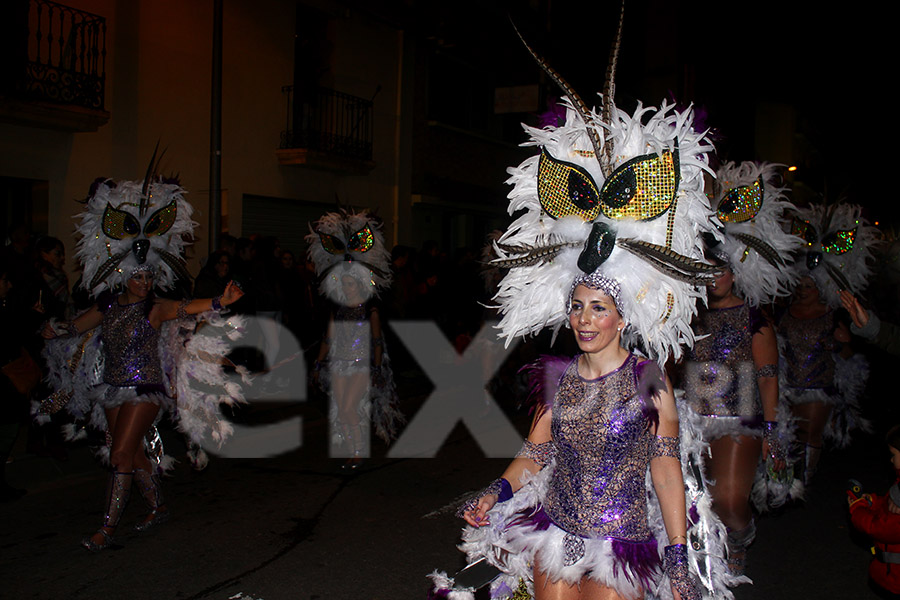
[(834, 68)]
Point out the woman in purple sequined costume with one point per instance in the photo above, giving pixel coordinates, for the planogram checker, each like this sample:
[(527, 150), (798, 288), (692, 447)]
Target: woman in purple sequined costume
[(588, 534), (730, 379), (810, 337), (132, 391)]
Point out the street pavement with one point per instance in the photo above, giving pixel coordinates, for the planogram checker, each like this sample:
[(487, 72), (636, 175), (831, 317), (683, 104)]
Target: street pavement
[(297, 527)]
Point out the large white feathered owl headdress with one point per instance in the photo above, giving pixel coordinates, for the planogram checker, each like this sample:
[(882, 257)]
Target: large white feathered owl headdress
[(750, 212), (839, 244), (614, 194), (343, 244), (129, 226)]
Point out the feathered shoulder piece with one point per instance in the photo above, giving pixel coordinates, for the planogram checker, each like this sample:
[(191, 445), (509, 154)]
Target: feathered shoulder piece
[(544, 376), (129, 226), (839, 245), (616, 194), (349, 244), (750, 208)]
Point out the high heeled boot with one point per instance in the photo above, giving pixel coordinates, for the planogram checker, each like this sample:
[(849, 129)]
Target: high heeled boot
[(148, 485), (737, 543), (117, 493)]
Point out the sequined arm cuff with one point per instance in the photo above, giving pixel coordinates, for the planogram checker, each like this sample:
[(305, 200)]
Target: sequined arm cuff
[(541, 453), (499, 487), (769, 370), (770, 434), (666, 446), (675, 563), (182, 309)]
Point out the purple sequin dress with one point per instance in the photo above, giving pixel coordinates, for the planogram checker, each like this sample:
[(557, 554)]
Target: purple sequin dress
[(587, 513), (807, 347), (719, 375), (132, 371)]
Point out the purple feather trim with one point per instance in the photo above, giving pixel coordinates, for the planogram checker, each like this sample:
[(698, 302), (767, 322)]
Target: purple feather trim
[(544, 376), (435, 594), (534, 518), (555, 116), (638, 558), (754, 422), (694, 514), (650, 382)]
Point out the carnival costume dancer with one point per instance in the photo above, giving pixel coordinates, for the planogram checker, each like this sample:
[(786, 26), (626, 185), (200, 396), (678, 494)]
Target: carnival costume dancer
[(822, 380), (730, 375), (353, 366), (609, 243), (120, 377)]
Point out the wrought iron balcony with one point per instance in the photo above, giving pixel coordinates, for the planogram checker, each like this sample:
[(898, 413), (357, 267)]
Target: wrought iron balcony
[(327, 128), (54, 71)]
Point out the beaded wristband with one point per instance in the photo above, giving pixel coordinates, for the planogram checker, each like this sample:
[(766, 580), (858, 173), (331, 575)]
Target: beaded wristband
[(776, 450), (675, 564), (217, 304)]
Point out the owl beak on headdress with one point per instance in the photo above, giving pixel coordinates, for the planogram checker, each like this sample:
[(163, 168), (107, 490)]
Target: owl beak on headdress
[(140, 249), (813, 259), (348, 258), (597, 248)]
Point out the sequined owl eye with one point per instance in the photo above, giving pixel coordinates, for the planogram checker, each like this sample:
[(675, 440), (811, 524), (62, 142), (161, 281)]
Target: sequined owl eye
[(839, 242), (162, 220), (331, 244), (565, 189), (362, 240), (118, 224), (742, 203), (643, 188), (804, 230)]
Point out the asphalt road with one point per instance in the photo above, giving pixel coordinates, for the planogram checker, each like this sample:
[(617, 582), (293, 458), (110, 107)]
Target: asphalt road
[(297, 527)]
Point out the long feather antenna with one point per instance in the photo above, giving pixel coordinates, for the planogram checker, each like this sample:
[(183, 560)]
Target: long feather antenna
[(106, 268), (148, 178), (579, 105), (609, 89), (762, 248), (676, 265), (838, 277), (526, 255), (175, 263)]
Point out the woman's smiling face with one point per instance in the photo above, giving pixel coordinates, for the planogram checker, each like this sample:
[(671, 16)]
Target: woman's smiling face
[(594, 319)]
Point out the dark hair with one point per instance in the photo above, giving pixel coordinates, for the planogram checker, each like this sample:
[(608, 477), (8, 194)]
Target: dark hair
[(48, 244), (893, 437)]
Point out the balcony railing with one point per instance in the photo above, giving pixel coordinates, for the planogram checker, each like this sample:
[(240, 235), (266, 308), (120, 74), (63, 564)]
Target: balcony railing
[(328, 122), (54, 54)]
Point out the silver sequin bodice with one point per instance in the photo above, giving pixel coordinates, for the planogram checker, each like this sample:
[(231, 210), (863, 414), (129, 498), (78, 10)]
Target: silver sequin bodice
[(352, 336), (719, 377), (808, 345), (603, 445), (130, 346)]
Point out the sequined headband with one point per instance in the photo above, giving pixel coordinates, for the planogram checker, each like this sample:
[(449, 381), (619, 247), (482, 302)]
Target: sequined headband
[(142, 268), (596, 281)]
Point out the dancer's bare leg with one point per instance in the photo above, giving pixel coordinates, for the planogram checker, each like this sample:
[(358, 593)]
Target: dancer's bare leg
[(349, 392), (128, 424), (732, 467), (587, 589), (812, 417)]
